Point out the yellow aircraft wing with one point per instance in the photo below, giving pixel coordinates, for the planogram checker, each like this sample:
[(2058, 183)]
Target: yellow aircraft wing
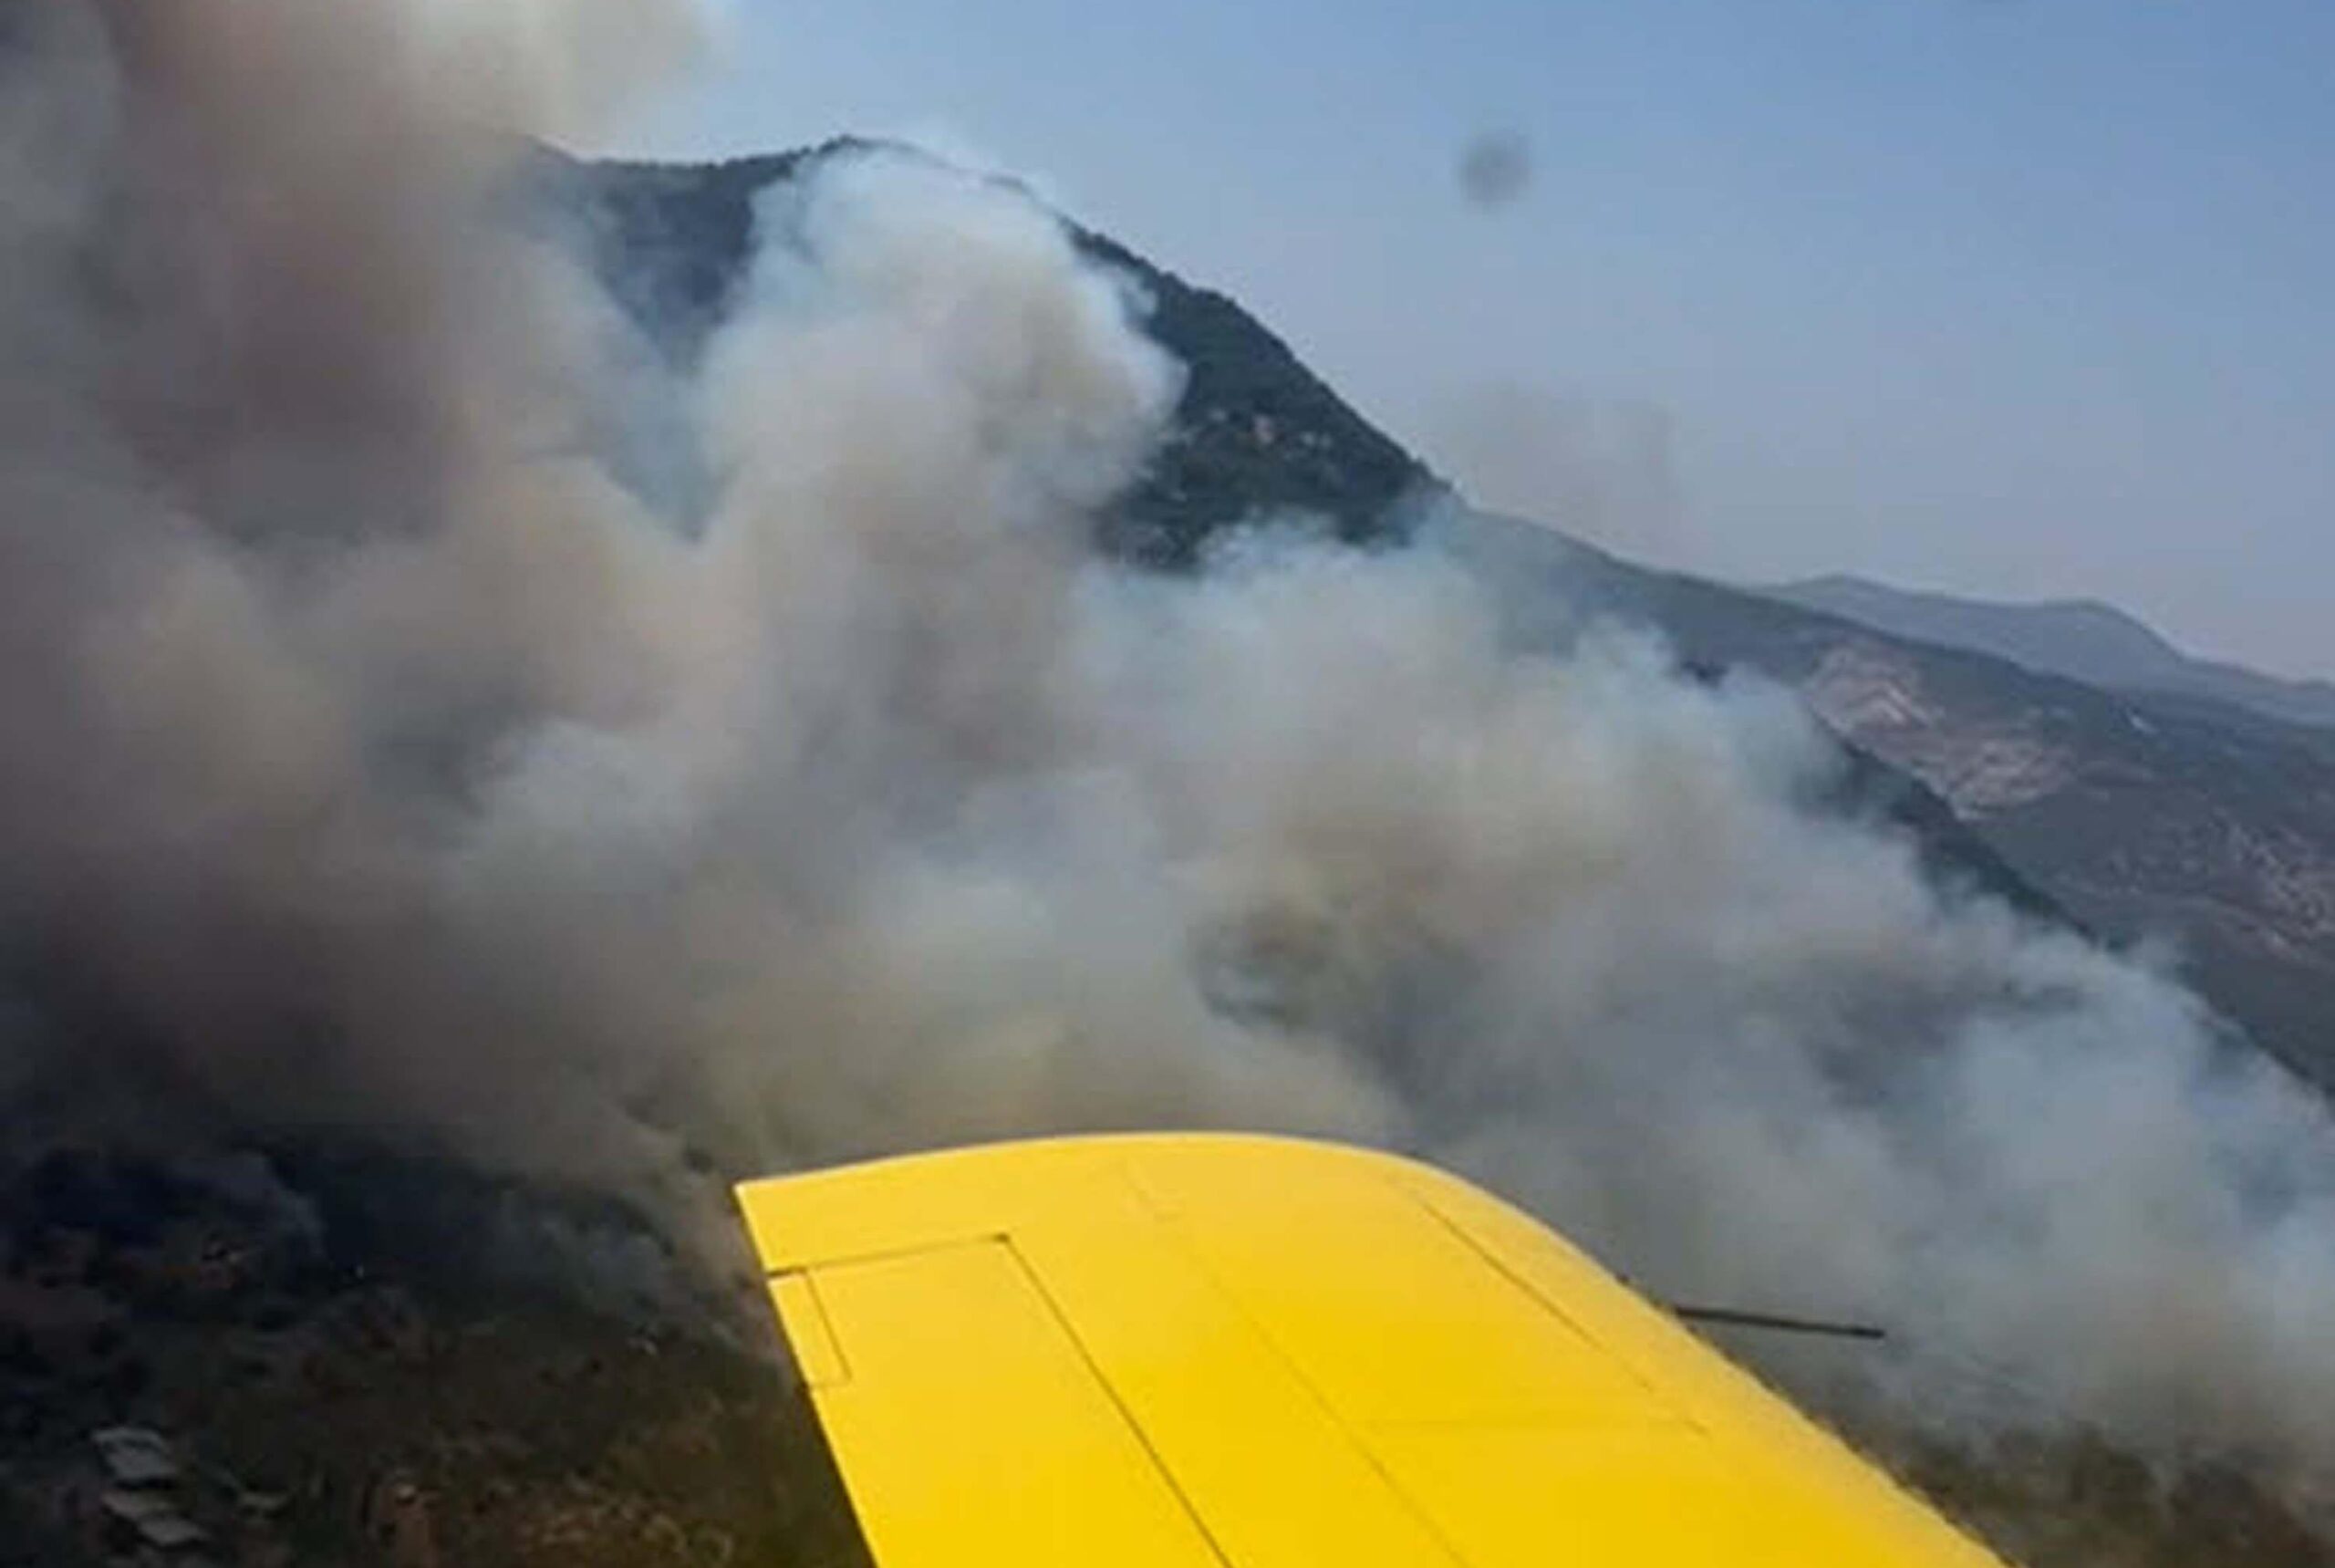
[(1174, 1352)]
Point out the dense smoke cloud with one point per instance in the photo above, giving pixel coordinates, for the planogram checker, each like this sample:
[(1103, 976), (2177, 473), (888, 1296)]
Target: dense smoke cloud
[(369, 741)]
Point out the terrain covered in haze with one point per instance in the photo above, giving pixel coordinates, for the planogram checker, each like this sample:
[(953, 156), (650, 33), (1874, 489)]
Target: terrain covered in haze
[(537, 688), (2096, 644)]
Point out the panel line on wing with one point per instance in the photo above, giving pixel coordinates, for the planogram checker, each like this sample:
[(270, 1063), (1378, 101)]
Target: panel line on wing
[(1172, 1231), (917, 1249), (1500, 1265), (1110, 1391), (1083, 1477), (809, 1330)]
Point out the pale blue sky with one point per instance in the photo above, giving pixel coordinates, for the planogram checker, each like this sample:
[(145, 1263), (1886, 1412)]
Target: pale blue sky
[(2011, 296)]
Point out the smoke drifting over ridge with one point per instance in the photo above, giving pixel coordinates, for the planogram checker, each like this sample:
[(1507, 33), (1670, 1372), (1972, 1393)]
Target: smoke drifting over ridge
[(368, 739)]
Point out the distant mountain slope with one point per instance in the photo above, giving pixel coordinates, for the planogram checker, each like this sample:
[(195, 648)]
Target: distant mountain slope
[(2147, 816), (2082, 639)]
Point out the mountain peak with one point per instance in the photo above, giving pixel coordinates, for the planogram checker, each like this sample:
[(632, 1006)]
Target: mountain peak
[(1257, 433)]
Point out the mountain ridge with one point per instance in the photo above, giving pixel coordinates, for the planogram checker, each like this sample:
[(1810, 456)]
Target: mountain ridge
[(2085, 638), (2152, 820)]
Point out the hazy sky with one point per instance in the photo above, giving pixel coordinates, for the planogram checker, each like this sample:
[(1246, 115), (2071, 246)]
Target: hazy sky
[(2022, 297)]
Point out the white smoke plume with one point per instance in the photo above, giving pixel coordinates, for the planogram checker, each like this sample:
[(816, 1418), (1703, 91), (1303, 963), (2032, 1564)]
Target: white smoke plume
[(385, 759)]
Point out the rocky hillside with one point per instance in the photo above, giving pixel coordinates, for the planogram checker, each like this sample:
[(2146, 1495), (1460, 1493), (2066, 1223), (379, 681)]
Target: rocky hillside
[(2094, 643), (2148, 817)]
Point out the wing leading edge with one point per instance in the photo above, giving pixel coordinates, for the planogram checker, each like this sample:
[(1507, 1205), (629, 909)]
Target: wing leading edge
[(1172, 1352)]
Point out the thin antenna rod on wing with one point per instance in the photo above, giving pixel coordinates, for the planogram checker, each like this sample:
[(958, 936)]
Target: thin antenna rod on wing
[(1729, 1317)]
